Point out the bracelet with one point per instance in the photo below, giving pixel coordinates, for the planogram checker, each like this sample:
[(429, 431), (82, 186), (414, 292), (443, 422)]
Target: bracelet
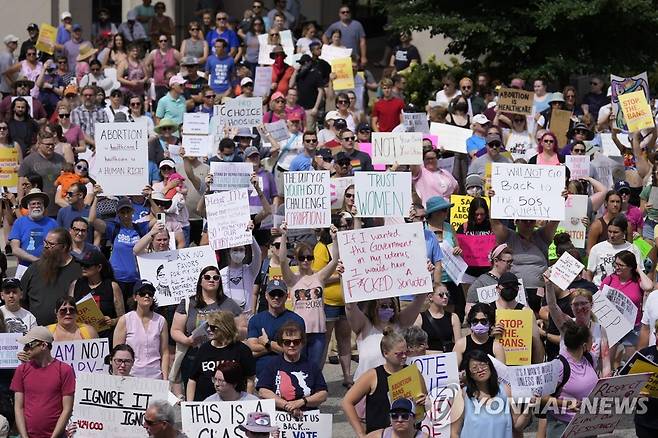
[(305, 401)]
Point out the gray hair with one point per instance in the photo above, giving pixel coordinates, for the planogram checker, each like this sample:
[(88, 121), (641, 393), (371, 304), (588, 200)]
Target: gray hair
[(165, 412), (414, 336)]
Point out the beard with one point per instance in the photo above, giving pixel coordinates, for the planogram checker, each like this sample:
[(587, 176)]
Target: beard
[(49, 264)]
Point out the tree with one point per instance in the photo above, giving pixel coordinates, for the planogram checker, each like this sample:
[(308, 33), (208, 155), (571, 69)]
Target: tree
[(550, 38)]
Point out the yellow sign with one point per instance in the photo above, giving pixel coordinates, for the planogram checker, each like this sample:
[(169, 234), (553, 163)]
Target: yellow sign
[(407, 383), (342, 68), (47, 38), (8, 167), (517, 335), (640, 366), (636, 111), (90, 313), (487, 178)]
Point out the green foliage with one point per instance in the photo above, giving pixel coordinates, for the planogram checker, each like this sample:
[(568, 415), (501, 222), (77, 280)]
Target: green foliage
[(424, 80)]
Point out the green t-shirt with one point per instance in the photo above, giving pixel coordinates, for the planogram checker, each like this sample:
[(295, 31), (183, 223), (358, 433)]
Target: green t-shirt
[(652, 213)]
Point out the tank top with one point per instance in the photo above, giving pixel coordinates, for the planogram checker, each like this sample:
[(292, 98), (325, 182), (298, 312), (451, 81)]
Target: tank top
[(370, 355), (604, 231), (146, 343), (439, 331), (160, 64), (388, 433), (482, 422), (103, 295), (193, 48), (135, 72), (32, 74), (487, 347), (378, 404)]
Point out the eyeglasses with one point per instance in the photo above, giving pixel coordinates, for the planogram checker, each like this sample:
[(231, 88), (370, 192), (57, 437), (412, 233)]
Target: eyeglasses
[(274, 34), (31, 54), (4, 128), (135, 104), (162, 41), (31, 345), (79, 167), (480, 367), (348, 138), (311, 140), (480, 320), (306, 258), (344, 12), (208, 277), (579, 131), (578, 151), (280, 101), (466, 87), (277, 245), (216, 381), (210, 96), (277, 294), (125, 362), (548, 141), (343, 102), (67, 311), (146, 293), (151, 422), (79, 230), (221, 18), (400, 416), (443, 294), (494, 144), (509, 262), (49, 244), (292, 342), (64, 115), (349, 195)]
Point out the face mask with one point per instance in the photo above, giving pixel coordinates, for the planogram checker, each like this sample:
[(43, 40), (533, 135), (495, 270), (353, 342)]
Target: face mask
[(461, 106), (385, 314), (237, 256), (508, 293), (480, 329)]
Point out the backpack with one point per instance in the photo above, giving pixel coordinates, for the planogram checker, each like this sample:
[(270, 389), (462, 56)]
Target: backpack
[(566, 371)]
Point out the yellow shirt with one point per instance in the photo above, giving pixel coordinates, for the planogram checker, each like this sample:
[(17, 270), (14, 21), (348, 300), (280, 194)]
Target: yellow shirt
[(333, 292)]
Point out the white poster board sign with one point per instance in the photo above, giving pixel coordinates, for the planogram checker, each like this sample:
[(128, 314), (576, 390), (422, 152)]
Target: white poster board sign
[(278, 130), (312, 425), (575, 210), (608, 146), (397, 147), (384, 262), (489, 294), (228, 218), (527, 191), (307, 197), (578, 166), (614, 322), (530, 380), (382, 194), (451, 138), (416, 122), (262, 81), (9, 348), (86, 356), (230, 176), (454, 265), (264, 50), (196, 123), (565, 270), (330, 52), (221, 419), (242, 113), (121, 165), (624, 304), (197, 145)]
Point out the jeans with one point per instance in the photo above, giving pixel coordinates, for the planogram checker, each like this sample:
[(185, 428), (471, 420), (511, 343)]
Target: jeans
[(315, 347)]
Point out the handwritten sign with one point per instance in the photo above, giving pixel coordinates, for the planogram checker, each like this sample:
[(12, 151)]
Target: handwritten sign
[(476, 248), (313, 424), (527, 191), (230, 176), (622, 85), (565, 271), (278, 130), (367, 148), (9, 348), (196, 123), (622, 302), (397, 147), (384, 262), (489, 294), (578, 166), (614, 322), (454, 265), (228, 217), (382, 194), (46, 39), (575, 210), (338, 187), (415, 122), (242, 113), (107, 405), (636, 111), (517, 335), (8, 166), (197, 145), (84, 356), (512, 100), (121, 165), (221, 419), (90, 313), (451, 138), (559, 125), (307, 199), (262, 81), (459, 209), (342, 67)]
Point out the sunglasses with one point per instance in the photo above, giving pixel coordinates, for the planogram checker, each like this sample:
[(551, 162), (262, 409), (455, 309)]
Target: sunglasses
[(210, 96), (81, 167), (31, 345), (344, 102), (443, 295), (292, 342), (135, 104), (306, 258), (548, 141), (67, 311), (4, 128), (146, 293), (578, 151), (349, 195), (311, 140), (211, 277), (64, 115), (277, 294), (71, 194), (495, 145), (348, 138), (151, 422), (400, 416), (480, 320), (162, 41)]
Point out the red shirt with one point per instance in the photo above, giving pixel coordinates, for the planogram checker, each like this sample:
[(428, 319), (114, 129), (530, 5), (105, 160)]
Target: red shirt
[(388, 113)]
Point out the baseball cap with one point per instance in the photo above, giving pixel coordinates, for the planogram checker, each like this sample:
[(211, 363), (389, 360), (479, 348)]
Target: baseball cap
[(622, 185), (294, 117), (363, 126), (65, 15), (189, 60), (92, 258), (11, 283), (481, 119), (326, 154), (332, 115), (70, 89), (340, 124), (277, 95), (508, 278), (11, 38), (403, 405), (124, 203), (36, 333), (131, 15), (304, 59), (32, 26), (276, 285), (341, 157), (258, 422), (143, 284), (251, 150), (76, 27), (167, 162), (493, 137), (177, 79), (246, 81)]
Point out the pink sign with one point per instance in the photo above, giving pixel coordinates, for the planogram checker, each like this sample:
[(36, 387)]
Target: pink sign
[(367, 148), (476, 249), (433, 138)]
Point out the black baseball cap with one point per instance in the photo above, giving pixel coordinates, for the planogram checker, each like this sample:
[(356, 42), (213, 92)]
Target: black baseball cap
[(11, 283), (508, 278), (92, 258), (143, 284)]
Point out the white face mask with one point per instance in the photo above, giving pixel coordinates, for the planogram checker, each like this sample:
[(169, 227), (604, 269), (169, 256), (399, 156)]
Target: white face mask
[(237, 256)]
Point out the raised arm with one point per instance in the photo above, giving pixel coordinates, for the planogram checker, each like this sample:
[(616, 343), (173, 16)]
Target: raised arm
[(325, 273), (256, 257), (288, 276), (558, 316), (355, 315), (599, 190), (641, 162)]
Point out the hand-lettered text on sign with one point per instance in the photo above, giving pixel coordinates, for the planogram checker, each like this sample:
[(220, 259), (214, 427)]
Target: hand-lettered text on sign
[(382, 194), (397, 147), (307, 199)]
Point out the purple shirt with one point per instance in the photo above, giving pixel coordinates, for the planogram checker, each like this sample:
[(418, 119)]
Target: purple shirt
[(266, 180)]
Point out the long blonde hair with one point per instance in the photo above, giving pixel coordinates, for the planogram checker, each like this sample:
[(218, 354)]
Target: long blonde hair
[(227, 331)]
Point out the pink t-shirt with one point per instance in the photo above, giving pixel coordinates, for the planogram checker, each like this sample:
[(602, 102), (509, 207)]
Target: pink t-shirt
[(582, 380), (439, 183), (308, 303), (630, 288), (634, 216)]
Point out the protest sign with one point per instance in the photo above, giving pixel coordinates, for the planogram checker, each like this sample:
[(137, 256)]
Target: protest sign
[(622, 302), (221, 419), (175, 273), (384, 262), (578, 166), (515, 101), (615, 324), (197, 145), (307, 199), (447, 164), (9, 348), (639, 364), (196, 123), (454, 265), (397, 147), (242, 113), (459, 209), (620, 86), (489, 294), (407, 383), (278, 130), (636, 111), (342, 67), (264, 50), (84, 356), (114, 406), (608, 146), (476, 248), (228, 217), (263, 81), (121, 165), (313, 424), (8, 167), (533, 380), (379, 194), (590, 422), (338, 187), (230, 176), (330, 52), (367, 148), (559, 125), (517, 335), (527, 191), (90, 313), (451, 138), (46, 39), (415, 122), (575, 210), (565, 270)]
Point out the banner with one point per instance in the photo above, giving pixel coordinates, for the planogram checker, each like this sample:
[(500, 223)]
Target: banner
[(636, 110), (198, 145), (512, 100), (517, 335), (527, 191), (565, 270), (307, 198), (8, 167), (578, 166), (221, 419), (615, 324), (175, 273), (228, 216), (459, 209), (476, 248), (489, 294), (90, 313), (263, 81), (46, 39), (342, 68), (416, 122), (230, 176), (312, 425), (575, 210), (619, 86), (451, 138), (384, 262), (86, 356), (9, 348), (242, 113), (121, 165), (397, 148), (382, 194), (114, 406), (196, 123)]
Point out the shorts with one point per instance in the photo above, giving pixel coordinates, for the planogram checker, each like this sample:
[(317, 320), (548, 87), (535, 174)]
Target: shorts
[(631, 338), (648, 229), (334, 313)]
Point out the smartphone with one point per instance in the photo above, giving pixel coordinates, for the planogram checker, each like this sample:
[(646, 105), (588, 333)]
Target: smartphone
[(161, 218)]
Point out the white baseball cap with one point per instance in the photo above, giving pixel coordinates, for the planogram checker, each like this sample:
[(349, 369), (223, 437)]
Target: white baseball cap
[(65, 15), (11, 38), (177, 79)]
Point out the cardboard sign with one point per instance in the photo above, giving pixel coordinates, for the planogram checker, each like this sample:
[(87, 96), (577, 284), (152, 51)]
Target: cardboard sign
[(620, 86), (198, 145), (8, 167), (196, 123), (459, 209), (90, 313), (221, 419), (46, 39), (307, 199), (512, 100), (639, 364), (228, 216), (342, 67), (575, 210), (338, 187), (407, 383), (636, 111), (397, 147), (565, 270), (230, 176), (531, 380), (86, 356), (114, 406), (517, 335), (175, 273), (382, 194), (615, 324), (451, 138), (242, 113), (624, 304), (278, 130), (262, 81), (415, 122), (489, 294), (527, 191), (121, 165), (578, 166), (476, 248), (9, 348), (384, 262), (559, 125)]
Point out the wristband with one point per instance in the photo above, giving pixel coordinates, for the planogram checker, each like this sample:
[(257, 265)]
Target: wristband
[(305, 401)]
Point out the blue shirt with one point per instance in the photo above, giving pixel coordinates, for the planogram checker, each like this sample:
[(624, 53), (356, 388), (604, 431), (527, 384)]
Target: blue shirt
[(271, 324), (31, 234), (221, 70), (228, 35), (66, 215), (301, 162), (123, 240), (63, 35), (474, 144)]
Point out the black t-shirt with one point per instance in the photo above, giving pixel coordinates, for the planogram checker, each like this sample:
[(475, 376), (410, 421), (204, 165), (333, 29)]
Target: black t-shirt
[(209, 357), (308, 82), (650, 418), (193, 87), (404, 56)]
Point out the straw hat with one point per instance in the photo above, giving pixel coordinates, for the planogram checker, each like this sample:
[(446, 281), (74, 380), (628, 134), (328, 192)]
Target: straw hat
[(86, 51)]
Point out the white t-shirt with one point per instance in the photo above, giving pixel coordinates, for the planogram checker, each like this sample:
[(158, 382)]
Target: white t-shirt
[(18, 322), (443, 100), (650, 315), (602, 256)]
